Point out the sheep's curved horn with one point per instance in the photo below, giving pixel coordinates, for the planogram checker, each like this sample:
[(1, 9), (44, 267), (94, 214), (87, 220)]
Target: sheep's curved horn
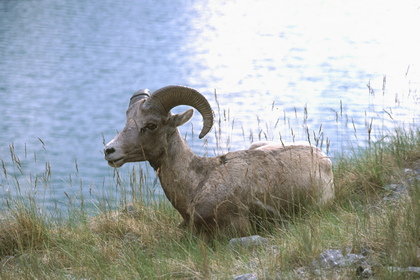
[(169, 97), (138, 95)]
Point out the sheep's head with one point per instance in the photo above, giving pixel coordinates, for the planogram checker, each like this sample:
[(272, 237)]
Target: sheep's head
[(149, 122)]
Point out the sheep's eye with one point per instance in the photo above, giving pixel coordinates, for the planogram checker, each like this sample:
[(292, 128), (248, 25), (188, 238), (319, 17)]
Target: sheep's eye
[(151, 126)]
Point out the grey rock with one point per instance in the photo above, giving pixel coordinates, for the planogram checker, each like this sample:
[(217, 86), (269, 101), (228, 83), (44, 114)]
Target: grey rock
[(334, 258), (247, 242), (367, 272), (72, 277), (351, 259), (364, 271), (328, 259), (395, 191), (248, 276), (411, 269)]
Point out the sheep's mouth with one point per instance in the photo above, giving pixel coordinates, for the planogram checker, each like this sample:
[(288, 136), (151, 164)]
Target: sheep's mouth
[(116, 162)]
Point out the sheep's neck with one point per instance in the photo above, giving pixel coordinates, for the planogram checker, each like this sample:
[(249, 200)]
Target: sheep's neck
[(177, 173)]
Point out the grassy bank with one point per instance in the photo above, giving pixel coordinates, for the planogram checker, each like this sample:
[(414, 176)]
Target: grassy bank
[(142, 240)]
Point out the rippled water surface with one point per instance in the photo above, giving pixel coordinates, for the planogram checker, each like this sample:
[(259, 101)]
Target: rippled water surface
[(280, 69)]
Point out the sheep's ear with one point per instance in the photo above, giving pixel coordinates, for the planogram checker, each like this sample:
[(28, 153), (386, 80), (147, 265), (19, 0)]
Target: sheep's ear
[(181, 118)]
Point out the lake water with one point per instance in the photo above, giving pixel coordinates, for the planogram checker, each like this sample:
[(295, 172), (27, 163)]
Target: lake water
[(280, 69)]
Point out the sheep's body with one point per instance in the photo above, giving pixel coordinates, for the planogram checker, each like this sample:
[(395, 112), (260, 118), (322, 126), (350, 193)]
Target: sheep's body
[(225, 192), (221, 194)]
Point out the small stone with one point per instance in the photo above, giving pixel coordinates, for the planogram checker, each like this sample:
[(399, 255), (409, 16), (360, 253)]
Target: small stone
[(351, 259), (395, 192), (247, 242), (364, 271), (411, 269), (367, 273), (328, 259), (248, 276), (334, 258)]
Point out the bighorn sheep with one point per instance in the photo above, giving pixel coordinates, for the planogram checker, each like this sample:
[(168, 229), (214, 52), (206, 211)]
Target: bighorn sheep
[(217, 195)]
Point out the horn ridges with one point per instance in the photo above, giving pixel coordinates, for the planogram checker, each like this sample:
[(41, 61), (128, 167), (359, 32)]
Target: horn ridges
[(169, 97)]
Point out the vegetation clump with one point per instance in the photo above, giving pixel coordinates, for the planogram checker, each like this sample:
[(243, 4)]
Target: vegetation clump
[(370, 230), (376, 215)]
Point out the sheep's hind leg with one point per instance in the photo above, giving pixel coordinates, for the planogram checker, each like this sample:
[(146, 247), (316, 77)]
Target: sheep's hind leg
[(233, 224), (238, 226)]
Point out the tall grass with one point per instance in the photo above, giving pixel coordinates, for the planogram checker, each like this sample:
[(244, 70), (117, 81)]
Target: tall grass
[(143, 241), (132, 235)]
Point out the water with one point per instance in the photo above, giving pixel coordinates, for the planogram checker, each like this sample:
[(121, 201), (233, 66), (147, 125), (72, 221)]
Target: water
[(280, 70)]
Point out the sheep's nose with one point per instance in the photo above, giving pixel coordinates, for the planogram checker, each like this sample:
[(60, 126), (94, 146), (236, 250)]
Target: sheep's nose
[(109, 151)]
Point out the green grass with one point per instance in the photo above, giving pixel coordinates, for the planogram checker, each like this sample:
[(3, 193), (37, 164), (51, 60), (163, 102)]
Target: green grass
[(143, 240)]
